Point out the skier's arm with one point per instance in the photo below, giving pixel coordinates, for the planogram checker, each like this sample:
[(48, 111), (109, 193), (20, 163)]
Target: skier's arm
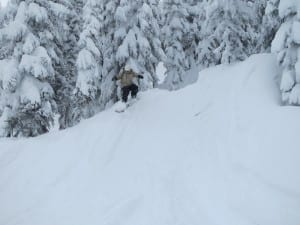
[(138, 76)]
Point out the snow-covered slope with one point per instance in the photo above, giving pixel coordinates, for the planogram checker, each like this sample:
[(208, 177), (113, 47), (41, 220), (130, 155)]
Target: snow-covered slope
[(220, 152)]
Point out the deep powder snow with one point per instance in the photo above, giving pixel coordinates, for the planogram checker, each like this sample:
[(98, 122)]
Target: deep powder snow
[(219, 152)]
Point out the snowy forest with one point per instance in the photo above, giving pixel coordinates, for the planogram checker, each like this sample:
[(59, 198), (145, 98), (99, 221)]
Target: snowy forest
[(58, 58)]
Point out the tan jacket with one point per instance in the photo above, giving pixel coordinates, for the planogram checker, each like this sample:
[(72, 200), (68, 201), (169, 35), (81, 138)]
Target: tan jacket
[(127, 78)]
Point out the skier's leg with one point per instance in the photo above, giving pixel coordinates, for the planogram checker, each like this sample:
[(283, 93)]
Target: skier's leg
[(134, 90), (125, 93)]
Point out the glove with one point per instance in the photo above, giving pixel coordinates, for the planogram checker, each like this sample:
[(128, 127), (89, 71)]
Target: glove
[(140, 76)]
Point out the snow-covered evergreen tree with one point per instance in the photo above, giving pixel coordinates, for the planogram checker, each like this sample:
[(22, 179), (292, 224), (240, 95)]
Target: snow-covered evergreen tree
[(89, 61), (230, 31), (287, 46), (108, 50), (270, 25), (31, 57), (174, 32), (96, 65), (137, 38), (69, 27), (195, 18)]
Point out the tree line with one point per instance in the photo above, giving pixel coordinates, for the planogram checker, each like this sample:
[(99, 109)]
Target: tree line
[(58, 57)]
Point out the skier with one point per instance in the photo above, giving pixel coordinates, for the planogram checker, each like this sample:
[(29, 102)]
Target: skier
[(127, 77)]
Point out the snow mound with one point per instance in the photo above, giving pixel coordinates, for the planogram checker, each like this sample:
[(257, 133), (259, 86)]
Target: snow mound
[(219, 152)]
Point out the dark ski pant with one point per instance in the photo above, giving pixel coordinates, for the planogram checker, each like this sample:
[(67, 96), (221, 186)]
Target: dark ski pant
[(133, 89)]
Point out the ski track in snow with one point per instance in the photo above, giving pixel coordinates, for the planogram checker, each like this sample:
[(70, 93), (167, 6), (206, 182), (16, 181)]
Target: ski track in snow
[(212, 153)]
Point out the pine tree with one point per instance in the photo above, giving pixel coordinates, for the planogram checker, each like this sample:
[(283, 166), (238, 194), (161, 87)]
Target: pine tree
[(96, 60), (89, 62), (108, 50), (270, 25), (31, 60), (230, 32), (195, 18), (137, 39), (69, 28), (287, 46), (174, 32)]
